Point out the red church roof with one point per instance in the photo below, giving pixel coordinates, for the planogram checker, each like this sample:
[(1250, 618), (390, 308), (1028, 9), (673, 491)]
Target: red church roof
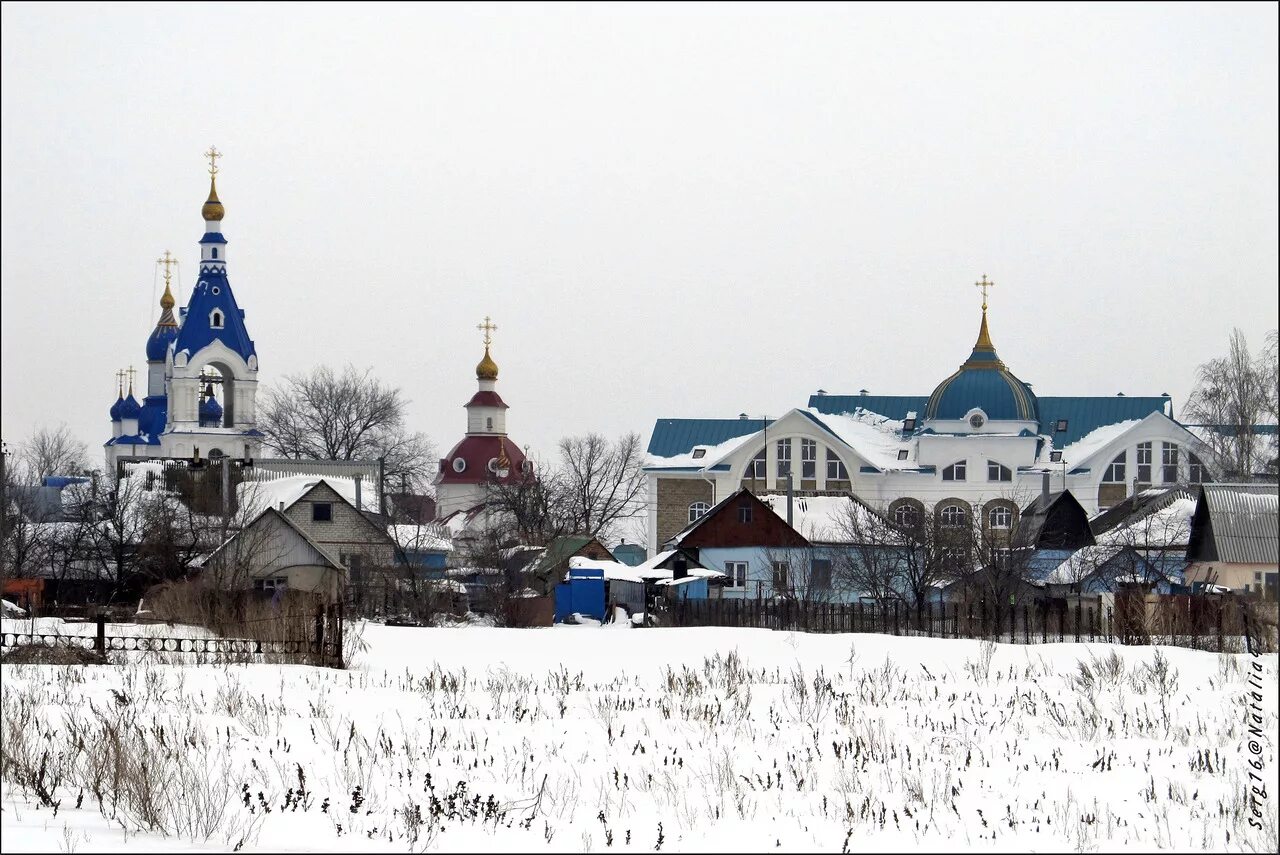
[(475, 452), (487, 399)]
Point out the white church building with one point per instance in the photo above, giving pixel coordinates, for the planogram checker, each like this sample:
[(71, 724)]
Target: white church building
[(202, 367), (981, 443)]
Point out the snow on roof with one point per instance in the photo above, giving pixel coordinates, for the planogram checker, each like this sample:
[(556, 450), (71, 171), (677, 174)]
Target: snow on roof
[(1080, 564), (260, 495), (613, 570), (875, 438), (821, 518), (1078, 452), (713, 454), (1168, 526), (421, 537)]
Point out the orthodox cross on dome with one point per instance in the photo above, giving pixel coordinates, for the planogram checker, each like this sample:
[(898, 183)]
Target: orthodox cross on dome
[(168, 261), (984, 285), (487, 328), (130, 372), (213, 154), (120, 383)]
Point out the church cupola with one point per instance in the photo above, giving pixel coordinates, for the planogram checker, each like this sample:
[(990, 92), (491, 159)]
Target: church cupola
[(210, 409), (130, 410), (115, 408), (213, 246), (486, 411), (983, 388)]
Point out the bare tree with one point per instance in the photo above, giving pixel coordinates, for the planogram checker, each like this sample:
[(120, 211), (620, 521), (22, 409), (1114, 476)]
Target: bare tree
[(526, 508), (324, 415), (601, 483), (1232, 395), (888, 560), (54, 451)]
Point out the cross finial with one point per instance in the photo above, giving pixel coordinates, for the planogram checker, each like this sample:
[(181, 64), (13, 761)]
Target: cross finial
[(167, 260), (487, 328), (120, 383), (984, 285), (213, 154), (130, 372)]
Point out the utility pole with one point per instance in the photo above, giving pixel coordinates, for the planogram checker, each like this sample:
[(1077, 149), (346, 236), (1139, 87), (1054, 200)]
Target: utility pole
[(4, 509)]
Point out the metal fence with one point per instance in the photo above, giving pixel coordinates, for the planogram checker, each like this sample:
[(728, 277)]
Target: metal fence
[(1217, 624)]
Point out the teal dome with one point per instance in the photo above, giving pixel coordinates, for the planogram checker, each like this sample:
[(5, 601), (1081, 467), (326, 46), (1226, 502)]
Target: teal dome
[(983, 382)]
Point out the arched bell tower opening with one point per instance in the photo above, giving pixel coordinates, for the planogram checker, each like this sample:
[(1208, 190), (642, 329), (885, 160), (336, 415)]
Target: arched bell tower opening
[(217, 407)]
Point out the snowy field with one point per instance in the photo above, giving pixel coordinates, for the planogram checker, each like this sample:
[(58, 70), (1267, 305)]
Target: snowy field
[(680, 740)]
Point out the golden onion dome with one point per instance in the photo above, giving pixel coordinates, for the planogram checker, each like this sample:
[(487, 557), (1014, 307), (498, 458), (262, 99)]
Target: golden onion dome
[(166, 300), (487, 369), (213, 209)]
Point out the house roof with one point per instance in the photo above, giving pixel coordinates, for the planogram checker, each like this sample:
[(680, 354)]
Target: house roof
[(1036, 515), (561, 549), (672, 437), (712, 514), (325, 556), (823, 519), (1137, 505), (1237, 524)]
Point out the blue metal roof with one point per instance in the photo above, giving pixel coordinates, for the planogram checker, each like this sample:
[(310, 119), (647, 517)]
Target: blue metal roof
[(154, 414), (130, 408), (678, 436), (890, 406), (1086, 414)]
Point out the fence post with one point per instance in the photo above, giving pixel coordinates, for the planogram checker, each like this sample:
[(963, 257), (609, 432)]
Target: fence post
[(320, 631), (1013, 624), (100, 640), (1026, 625), (1077, 621), (338, 608), (1218, 609), (895, 617)]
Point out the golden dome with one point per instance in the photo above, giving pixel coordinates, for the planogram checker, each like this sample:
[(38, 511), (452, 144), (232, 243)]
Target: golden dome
[(487, 369), (213, 209), (166, 299)]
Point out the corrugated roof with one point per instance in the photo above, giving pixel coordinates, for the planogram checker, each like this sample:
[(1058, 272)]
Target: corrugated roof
[(677, 436), (1244, 519), (1087, 414), (891, 406)]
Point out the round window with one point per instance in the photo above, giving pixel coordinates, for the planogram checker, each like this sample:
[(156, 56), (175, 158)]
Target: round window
[(215, 290), (977, 420), (493, 464), (459, 464)]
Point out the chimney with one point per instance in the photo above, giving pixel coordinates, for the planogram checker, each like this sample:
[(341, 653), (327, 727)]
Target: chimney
[(282, 507), (1044, 489), (358, 478)]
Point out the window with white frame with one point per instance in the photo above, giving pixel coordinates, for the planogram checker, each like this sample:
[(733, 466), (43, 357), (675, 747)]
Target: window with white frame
[(737, 573), (270, 584), (836, 470), (215, 320), (1144, 462), (954, 472), (784, 458), (697, 510), (808, 458), (953, 516), (906, 516), (756, 467), (997, 472), (1115, 469), (1169, 462), (1000, 517)]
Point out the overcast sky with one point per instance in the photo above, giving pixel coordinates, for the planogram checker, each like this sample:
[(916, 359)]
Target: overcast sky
[(668, 211)]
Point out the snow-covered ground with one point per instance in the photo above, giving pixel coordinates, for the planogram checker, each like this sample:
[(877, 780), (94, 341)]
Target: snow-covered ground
[(595, 738)]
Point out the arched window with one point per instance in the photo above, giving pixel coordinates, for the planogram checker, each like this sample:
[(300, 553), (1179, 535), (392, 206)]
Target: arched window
[(1000, 517), (1115, 469), (488, 423), (997, 472), (215, 320), (215, 252), (697, 510), (756, 466), (954, 472), (953, 516), (906, 516)]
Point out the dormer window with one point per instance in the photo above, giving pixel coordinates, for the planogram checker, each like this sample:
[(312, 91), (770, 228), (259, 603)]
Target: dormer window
[(215, 320), (902, 453), (954, 472), (908, 425), (1061, 427), (699, 453)]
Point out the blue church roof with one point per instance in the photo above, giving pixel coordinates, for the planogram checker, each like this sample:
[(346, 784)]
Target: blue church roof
[(158, 342), (115, 408), (994, 390), (130, 408), (677, 436), (213, 294), (154, 414)]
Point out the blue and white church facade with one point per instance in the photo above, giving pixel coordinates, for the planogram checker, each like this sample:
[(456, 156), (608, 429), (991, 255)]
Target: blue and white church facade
[(202, 367), (982, 444)]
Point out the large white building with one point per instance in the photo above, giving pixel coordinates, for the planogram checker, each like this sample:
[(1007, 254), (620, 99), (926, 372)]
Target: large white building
[(202, 367), (981, 443)]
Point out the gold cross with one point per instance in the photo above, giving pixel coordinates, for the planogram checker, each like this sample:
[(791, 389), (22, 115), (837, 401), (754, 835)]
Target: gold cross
[(131, 372), (984, 285), (167, 260), (213, 154), (488, 328), (120, 383)]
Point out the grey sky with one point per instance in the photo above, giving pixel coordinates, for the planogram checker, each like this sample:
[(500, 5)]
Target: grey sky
[(668, 211)]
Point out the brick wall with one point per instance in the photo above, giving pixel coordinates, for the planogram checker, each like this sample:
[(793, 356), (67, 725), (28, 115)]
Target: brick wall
[(675, 495), (348, 532)]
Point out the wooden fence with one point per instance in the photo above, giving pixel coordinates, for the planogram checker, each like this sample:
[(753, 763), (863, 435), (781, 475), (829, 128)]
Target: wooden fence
[(1217, 624)]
